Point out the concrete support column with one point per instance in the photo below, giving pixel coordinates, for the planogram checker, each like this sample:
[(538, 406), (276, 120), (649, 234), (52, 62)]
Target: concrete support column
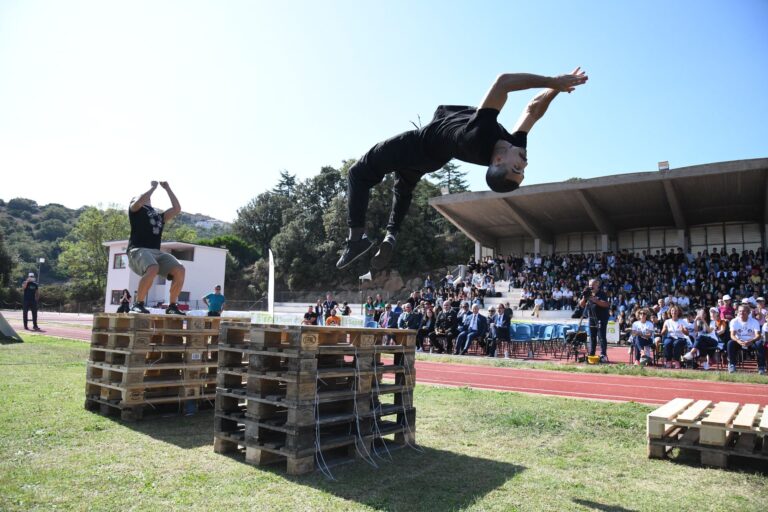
[(604, 243), (682, 240), (478, 251), (537, 246), (763, 243)]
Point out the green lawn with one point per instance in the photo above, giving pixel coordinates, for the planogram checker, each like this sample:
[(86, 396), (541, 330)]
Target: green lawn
[(482, 450)]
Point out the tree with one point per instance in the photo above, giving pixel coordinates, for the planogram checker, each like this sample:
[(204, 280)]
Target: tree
[(261, 219), (6, 263), (84, 257), (18, 205), (450, 178), (178, 232), (51, 229), (287, 184), (244, 253)]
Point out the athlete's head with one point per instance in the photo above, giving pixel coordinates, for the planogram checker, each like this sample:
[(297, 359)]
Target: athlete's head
[(507, 169)]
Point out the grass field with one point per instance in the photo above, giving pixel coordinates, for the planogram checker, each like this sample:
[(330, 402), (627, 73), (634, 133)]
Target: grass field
[(482, 450)]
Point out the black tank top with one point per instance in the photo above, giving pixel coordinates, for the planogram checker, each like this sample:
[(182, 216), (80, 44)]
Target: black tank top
[(146, 227)]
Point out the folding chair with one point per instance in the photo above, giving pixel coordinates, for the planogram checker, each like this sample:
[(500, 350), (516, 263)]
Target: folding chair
[(522, 337)]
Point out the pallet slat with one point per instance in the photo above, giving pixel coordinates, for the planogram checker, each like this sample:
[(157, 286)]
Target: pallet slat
[(746, 417)]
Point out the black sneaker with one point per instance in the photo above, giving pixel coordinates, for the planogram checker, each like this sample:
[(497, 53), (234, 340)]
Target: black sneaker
[(604, 359), (384, 254), (173, 309), (353, 251), (138, 307)]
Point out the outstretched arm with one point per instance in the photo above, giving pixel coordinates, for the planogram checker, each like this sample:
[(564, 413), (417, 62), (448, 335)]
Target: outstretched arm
[(496, 96), (540, 103), (175, 208), (143, 198)]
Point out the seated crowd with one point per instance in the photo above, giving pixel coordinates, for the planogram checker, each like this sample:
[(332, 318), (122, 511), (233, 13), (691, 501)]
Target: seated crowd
[(630, 279), (675, 304)]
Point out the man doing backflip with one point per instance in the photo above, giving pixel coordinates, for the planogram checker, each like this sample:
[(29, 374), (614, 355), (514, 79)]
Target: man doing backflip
[(469, 134), (144, 255)]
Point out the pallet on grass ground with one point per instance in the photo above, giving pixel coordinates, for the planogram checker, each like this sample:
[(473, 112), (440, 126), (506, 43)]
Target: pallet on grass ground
[(719, 433)]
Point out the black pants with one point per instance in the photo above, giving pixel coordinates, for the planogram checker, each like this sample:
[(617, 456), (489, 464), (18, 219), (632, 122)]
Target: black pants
[(125, 307), (214, 313), (30, 306), (402, 154), (597, 327)]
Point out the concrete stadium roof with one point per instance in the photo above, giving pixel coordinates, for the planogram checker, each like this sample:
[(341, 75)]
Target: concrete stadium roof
[(677, 198)]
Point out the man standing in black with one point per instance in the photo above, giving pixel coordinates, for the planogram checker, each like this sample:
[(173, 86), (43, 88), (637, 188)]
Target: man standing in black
[(469, 134), (31, 297), (144, 255), (597, 308)]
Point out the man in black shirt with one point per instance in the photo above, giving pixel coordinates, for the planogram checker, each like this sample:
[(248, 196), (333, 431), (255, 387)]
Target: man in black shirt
[(31, 297), (470, 134), (329, 305), (597, 308), (144, 255)]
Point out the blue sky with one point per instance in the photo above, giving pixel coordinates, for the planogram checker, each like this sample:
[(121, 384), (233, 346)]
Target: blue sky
[(98, 98)]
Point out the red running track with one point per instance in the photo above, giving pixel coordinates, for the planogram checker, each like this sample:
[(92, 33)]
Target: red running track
[(592, 386), (619, 388)]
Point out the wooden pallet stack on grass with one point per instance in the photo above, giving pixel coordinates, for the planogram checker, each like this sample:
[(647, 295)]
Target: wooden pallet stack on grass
[(311, 396), (140, 362), (718, 432)]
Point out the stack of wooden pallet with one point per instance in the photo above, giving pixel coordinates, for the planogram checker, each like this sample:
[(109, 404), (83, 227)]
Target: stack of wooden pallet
[(718, 432), (145, 361), (312, 396)]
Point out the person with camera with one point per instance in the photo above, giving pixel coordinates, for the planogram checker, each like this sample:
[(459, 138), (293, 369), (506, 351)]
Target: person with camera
[(596, 308)]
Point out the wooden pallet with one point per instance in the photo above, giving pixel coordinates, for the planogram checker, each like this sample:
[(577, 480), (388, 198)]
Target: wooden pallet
[(279, 387), (122, 322), (136, 412), (717, 432)]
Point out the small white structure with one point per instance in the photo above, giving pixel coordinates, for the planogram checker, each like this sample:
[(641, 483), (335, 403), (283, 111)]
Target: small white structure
[(204, 269)]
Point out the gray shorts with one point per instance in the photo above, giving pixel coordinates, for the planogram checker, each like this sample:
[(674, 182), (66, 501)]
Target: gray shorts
[(140, 258)]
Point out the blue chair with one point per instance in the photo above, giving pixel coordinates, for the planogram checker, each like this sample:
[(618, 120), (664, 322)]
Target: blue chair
[(371, 324), (558, 339), (545, 338), (522, 338)]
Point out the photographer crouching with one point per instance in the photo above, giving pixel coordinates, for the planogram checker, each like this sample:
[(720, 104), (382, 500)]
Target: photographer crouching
[(595, 302)]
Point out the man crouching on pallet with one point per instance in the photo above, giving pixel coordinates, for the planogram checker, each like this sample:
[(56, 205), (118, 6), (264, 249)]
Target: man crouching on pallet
[(144, 254)]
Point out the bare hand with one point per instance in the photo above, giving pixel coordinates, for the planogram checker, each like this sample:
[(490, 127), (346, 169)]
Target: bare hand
[(164, 184), (154, 184), (567, 83)]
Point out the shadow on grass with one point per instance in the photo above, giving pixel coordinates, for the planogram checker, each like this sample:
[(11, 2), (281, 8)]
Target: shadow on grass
[(691, 458), (601, 506), (431, 479), (170, 426)]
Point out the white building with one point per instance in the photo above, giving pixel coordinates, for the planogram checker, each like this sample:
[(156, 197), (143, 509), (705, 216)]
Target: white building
[(204, 269)]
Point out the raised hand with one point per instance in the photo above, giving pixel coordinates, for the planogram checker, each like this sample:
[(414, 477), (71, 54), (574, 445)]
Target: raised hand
[(569, 82), (153, 184), (164, 184)]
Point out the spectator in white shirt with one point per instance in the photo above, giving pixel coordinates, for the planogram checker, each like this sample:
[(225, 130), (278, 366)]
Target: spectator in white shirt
[(642, 330), (745, 333), (705, 338), (674, 338)]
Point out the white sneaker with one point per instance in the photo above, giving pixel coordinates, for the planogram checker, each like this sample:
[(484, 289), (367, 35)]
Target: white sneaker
[(688, 355), (705, 366)]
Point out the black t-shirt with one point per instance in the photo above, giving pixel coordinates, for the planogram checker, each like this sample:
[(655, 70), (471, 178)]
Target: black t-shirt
[(595, 311), (30, 291), (466, 133), (146, 227)]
